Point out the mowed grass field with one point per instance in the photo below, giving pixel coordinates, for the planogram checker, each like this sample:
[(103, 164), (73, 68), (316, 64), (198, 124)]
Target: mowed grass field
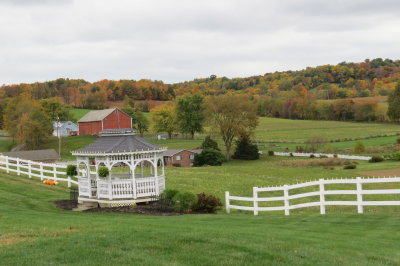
[(275, 129), (34, 231)]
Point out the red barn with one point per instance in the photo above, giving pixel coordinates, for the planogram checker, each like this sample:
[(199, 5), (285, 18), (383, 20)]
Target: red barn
[(96, 121)]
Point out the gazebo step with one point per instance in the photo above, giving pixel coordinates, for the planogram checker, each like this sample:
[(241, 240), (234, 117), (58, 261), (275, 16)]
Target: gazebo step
[(86, 206)]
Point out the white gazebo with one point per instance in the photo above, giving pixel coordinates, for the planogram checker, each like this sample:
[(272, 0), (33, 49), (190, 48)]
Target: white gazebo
[(136, 169)]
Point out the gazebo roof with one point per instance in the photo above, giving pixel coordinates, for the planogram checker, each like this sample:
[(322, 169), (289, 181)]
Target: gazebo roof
[(118, 141)]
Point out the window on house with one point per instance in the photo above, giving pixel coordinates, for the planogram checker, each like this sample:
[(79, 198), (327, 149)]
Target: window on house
[(178, 158), (191, 156)]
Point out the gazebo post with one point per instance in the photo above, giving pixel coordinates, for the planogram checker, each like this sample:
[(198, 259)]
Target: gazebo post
[(87, 166), (133, 167), (110, 192), (156, 176)]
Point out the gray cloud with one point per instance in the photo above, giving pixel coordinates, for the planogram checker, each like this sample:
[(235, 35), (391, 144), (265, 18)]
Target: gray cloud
[(35, 2), (179, 40)]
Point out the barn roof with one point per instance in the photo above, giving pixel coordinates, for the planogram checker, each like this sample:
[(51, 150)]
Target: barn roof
[(96, 115), (118, 141), (34, 155)]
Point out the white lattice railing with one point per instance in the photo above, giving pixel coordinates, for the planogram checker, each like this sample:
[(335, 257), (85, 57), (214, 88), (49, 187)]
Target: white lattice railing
[(321, 193), (124, 189), (146, 187), (51, 171)]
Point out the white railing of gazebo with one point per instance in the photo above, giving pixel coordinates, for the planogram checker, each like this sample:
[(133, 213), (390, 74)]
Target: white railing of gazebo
[(123, 189)]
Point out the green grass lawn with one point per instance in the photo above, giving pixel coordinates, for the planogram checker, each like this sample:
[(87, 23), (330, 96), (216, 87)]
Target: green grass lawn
[(78, 113), (6, 145), (68, 144), (275, 129), (33, 230)]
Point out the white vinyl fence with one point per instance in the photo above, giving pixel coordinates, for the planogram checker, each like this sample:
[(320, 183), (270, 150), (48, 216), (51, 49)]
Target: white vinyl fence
[(321, 192), (318, 155), (51, 171)]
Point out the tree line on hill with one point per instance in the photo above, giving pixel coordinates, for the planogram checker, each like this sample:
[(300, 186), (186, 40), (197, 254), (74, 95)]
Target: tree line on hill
[(308, 107), (375, 77)]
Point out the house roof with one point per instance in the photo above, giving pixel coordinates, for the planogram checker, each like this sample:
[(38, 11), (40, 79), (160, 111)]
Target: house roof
[(169, 153), (63, 123), (97, 115), (117, 141), (35, 155)]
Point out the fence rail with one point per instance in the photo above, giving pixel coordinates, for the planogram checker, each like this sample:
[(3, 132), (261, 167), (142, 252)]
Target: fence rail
[(36, 169), (327, 155), (321, 192)]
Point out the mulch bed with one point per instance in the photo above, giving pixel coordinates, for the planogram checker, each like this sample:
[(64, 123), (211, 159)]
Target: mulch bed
[(66, 204), (149, 209)]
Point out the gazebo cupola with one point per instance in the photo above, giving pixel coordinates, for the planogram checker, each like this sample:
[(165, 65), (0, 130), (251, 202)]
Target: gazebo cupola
[(136, 168)]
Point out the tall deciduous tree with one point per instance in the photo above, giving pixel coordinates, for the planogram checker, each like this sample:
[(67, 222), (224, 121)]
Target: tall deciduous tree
[(27, 122), (189, 113), (394, 104), (164, 119), (231, 116), (139, 120), (56, 109)]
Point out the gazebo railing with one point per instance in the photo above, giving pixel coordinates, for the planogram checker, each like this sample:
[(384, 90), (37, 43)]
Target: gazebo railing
[(123, 188), (146, 187)]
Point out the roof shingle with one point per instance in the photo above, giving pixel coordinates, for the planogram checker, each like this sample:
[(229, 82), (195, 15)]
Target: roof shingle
[(118, 143), (96, 115)]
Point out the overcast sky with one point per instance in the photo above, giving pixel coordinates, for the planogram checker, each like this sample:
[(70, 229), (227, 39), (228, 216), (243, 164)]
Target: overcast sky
[(174, 40)]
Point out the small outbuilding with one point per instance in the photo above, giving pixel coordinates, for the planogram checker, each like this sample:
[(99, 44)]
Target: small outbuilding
[(181, 157), (136, 169), (64, 128), (45, 156), (96, 121)]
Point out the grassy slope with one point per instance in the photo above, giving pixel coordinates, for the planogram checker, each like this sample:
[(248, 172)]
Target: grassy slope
[(78, 113), (275, 129), (32, 229), (68, 144), (5, 144)]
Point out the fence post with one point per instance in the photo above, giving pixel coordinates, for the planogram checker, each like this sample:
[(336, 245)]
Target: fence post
[(255, 200), (360, 207), (286, 199), (18, 170), (69, 181), (322, 196), (29, 169), (7, 167), (41, 170), (227, 201), (54, 172)]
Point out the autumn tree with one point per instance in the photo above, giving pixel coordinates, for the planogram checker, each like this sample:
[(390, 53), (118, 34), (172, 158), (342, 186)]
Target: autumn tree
[(394, 104), (139, 120), (189, 113), (56, 109), (164, 119), (231, 116), (27, 122)]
